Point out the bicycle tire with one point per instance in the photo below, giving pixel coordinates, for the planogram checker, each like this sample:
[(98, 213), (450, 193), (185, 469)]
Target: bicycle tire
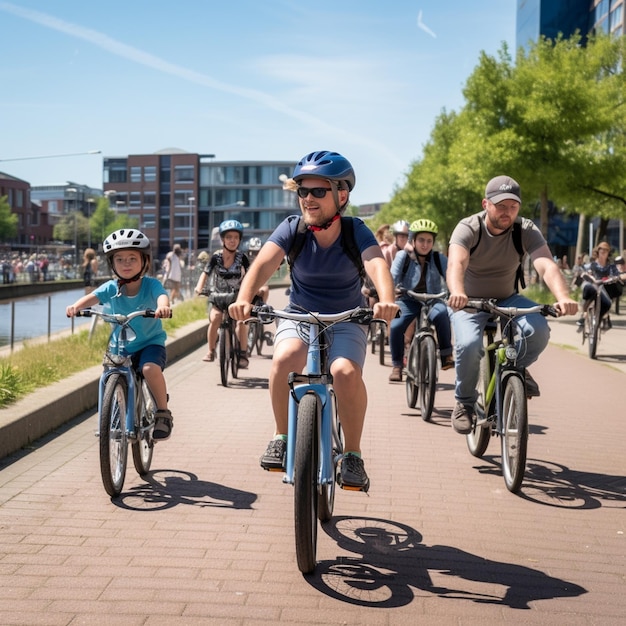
[(260, 338), (143, 446), (253, 336), (478, 439), (514, 431), (305, 482), (412, 362), (381, 345), (235, 349), (113, 438), (326, 497), (427, 374), (593, 320), (225, 354), (372, 339)]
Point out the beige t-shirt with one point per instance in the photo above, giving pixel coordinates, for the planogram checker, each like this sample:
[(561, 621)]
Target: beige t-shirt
[(494, 262)]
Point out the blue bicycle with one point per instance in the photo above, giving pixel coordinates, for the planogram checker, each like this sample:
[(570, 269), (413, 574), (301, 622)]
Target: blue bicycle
[(315, 441), (126, 406)]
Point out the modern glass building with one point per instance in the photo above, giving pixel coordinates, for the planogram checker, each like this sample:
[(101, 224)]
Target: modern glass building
[(181, 197)]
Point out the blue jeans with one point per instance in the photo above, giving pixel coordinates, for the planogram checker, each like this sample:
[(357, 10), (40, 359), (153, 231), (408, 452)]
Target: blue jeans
[(409, 310), (532, 336), (591, 291)]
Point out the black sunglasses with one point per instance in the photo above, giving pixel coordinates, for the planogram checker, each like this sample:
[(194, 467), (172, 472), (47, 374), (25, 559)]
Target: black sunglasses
[(316, 192)]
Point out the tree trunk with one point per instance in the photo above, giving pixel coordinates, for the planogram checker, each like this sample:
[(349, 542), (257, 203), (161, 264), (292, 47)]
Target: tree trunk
[(543, 215)]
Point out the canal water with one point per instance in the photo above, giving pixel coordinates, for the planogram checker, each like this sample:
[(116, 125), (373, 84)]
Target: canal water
[(31, 316)]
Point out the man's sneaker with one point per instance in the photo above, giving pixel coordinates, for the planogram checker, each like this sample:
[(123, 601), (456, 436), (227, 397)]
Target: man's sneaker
[(352, 474), (462, 418), (273, 459), (532, 388), (396, 375)]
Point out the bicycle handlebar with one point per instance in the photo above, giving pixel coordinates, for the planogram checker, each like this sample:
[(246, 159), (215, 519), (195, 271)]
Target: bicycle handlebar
[(601, 281), (511, 311), (116, 318), (422, 297), (358, 315)]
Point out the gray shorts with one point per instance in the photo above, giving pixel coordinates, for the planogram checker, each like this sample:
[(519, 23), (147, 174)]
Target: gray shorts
[(347, 340)]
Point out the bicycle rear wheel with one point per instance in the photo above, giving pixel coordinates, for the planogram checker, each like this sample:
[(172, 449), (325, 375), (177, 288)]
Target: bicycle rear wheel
[(514, 432), (223, 338), (113, 437), (305, 482), (427, 374), (253, 336), (143, 446), (592, 328), (478, 438), (326, 494), (412, 364)]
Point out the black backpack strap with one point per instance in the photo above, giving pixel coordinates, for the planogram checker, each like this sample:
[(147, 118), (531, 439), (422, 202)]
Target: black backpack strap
[(437, 260), (350, 247), (298, 241), (405, 266)]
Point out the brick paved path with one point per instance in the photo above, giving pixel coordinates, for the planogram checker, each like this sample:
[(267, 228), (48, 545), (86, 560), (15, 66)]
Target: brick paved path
[(207, 538)]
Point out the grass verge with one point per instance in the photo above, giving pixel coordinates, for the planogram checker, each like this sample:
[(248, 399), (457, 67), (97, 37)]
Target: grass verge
[(38, 365)]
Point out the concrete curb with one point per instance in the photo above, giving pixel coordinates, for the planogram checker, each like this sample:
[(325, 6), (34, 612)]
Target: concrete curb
[(42, 411)]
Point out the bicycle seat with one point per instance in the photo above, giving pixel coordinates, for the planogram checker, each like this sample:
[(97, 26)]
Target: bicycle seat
[(222, 300)]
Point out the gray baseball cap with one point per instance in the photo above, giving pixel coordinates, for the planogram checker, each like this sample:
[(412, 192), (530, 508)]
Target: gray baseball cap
[(503, 188)]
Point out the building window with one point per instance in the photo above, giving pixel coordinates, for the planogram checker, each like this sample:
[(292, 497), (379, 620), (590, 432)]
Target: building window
[(149, 173), (183, 173), (135, 198), (135, 174), (149, 199)]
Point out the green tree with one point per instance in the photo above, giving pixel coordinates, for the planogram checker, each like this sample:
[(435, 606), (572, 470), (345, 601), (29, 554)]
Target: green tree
[(8, 220)]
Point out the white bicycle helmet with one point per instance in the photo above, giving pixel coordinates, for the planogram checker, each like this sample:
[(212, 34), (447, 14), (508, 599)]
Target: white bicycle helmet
[(401, 227), (254, 245), (128, 239)]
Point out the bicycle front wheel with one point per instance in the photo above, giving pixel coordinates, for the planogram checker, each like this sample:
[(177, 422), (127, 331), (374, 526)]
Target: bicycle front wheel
[(235, 345), (412, 364), (143, 446), (113, 437), (326, 495), (514, 432), (592, 326), (427, 374), (223, 338), (253, 336), (305, 482), (380, 338)]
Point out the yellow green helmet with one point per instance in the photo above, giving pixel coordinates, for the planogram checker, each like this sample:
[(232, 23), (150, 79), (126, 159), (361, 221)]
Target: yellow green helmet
[(424, 226)]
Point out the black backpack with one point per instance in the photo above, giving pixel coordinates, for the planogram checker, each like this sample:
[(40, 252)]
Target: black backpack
[(436, 259), (347, 239), (517, 242)]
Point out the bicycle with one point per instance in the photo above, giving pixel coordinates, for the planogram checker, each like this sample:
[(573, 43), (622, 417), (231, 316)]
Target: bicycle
[(501, 405), (421, 364), (376, 333), (592, 317), (315, 439), (256, 336), (227, 341), (126, 405)]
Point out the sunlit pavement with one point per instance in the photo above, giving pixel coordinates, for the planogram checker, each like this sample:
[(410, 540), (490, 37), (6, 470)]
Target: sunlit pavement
[(207, 536)]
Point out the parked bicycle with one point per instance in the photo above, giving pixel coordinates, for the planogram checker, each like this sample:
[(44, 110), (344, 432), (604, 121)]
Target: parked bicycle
[(421, 365), (227, 341), (501, 406), (315, 441), (126, 405), (594, 322)]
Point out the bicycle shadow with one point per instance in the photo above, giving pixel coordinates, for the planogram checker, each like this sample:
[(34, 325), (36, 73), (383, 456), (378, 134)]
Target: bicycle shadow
[(555, 485), (393, 562), (249, 383), (165, 489)]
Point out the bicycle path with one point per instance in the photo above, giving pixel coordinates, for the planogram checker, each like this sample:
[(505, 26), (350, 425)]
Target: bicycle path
[(207, 538)]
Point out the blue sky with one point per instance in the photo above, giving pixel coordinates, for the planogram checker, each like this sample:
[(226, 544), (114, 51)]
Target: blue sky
[(244, 79)]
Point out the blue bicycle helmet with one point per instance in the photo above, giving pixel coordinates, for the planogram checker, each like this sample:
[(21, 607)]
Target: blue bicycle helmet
[(325, 164), (229, 225)]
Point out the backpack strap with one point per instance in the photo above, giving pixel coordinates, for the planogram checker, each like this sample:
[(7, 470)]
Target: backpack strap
[(348, 242), (437, 261), (436, 258)]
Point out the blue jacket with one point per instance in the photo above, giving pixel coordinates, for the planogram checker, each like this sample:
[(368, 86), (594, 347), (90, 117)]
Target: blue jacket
[(434, 282)]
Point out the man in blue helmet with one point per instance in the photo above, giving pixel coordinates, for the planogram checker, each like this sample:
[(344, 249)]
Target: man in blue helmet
[(326, 279)]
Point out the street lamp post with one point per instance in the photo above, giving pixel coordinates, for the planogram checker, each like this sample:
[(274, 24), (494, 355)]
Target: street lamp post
[(74, 190), (211, 219), (191, 200)]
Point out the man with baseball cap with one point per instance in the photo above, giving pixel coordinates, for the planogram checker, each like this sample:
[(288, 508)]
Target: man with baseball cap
[(483, 261)]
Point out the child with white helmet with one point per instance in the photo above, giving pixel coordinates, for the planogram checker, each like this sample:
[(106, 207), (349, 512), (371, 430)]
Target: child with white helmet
[(128, 253)]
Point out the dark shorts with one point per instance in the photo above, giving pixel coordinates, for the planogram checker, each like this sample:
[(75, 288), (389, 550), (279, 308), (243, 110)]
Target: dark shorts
[(150, 354)]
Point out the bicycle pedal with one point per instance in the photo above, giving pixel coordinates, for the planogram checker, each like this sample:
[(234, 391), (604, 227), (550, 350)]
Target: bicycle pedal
[(274, 469)]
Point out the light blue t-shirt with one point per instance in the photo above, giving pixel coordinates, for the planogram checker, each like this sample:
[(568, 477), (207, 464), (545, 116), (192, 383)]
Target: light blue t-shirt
[(149, 331), (324, 280)]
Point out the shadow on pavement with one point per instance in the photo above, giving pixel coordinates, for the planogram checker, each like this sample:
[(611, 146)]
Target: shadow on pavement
[(393, 562), (165, 489)]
